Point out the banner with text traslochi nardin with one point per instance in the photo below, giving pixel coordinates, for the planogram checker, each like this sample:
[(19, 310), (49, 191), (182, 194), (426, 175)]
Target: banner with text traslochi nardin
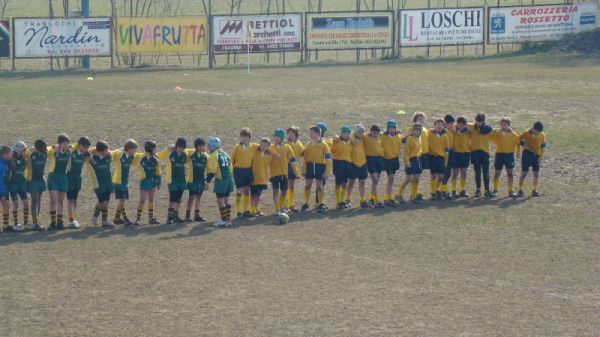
[(441, 26)]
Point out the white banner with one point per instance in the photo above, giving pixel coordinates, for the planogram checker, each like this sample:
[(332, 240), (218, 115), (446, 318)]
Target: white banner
[(441, 26), (260, 33), (540, 23), (46, 37)]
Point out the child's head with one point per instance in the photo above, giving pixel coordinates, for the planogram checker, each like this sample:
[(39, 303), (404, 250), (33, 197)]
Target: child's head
[(6, 152), (419, 117), (314, 133), (439, 125), (505, 124), (537, 128), (83, 144), (359, 130), (150, 147), (264, 144), (449, 120), (416, 129), (345, 132), (199, 145), (293, 133), (461, 123), (130, 146), (479, 119), (245, 135), (213, 143), (40, 146), (19, 148), (278, 136), (180, 144), (375, 130), (391, 126), (63, 141), (102, 148), (323, 128)]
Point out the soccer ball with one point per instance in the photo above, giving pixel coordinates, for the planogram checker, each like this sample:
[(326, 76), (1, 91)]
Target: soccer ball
[(283, 218)]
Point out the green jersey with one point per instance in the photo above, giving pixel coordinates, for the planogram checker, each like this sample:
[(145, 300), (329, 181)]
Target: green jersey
[(100, 171), (59, 161), (36, 164), (197, 167), (77, 161), (150, 169), (17, 171)]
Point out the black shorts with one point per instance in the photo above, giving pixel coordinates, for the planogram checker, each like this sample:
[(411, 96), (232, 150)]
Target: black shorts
[(175, 196), (242, 177), (257, 189), (425, 161), (530, 160), (480, 157), (279, 183), (122, 194), (461, 160), (14, 195), (315, 171), (342, 170), (391, 166), (359, 172), (375, 164), (103, 196), (415, 166), (437, 164), (72, 194), (222, 195), (195, 193), (502, 160)]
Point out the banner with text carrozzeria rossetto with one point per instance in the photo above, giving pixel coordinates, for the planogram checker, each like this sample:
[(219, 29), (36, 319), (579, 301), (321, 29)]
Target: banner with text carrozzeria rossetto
[(540, 23)]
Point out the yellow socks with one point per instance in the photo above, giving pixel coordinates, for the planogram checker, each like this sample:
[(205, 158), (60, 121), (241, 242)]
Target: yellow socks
[(320, 196), (453, 185), (462, 183), (245, 203), (496, 183), (238, 202), (414, 189), (290, 197), (401, 190), (386, 197), (282, 200), (432, 185), (306, 196)]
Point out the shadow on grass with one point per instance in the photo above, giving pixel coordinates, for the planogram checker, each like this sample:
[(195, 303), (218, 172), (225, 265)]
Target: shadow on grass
[(197, 229)]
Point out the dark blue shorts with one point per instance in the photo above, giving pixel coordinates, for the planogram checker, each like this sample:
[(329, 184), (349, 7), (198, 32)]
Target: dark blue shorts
[(391, 165), (359, 172), (242, 177), (504, 159), (437, 164), (415, 166), (530, 160), (122, 194), (291, 174), (375, 164), (315, 171), (342, 170), (279, 183), (480, 158), (425, 161), (257, 189), (461, 160)]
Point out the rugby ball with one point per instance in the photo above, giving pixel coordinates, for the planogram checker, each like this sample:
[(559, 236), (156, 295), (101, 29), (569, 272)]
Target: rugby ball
[(283, 218)]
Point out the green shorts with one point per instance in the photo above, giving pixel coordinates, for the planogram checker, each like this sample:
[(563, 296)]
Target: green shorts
[(174, 187), (58, 182), (196, 187), (103, 189), (223, 187), (74, 183), (37, 185), (18, 187), (147, 184)]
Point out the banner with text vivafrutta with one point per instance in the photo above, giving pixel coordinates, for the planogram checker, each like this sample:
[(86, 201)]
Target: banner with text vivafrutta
[(162, 35), (349, 30)]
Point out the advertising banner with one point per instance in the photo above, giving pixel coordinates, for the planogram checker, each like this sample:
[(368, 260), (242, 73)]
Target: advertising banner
[(4, 38), (540, 23), (260, 33), (46, 37), (162, 35), (348, 30), (441, 26)]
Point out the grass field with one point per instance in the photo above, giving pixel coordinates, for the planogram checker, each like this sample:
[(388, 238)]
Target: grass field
[(526, 267)]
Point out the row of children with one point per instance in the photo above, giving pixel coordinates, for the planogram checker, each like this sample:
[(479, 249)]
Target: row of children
[(446, 150)]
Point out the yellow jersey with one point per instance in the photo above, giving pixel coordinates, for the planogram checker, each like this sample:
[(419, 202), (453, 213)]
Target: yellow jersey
[(241, 155), (535, 144), (317, 153), (373, 146), (479, 141), (359, 156), (412, 148), (391, 145), (461, 141), (424, 139), (279, 166), (506, 142), (341, 149), (260, 167), (438, 143)]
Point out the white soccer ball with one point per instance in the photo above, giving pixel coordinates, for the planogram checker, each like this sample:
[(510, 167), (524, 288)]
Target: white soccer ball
[(283, 218)]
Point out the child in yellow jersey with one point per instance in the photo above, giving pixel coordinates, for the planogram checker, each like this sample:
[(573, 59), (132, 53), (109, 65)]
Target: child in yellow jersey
[(438, 155), (359, 167), (58, 182), (391, 141), (412, 162), (418, 117), (461, 147), (292, 134), (317, 165), (241, 159), (375, 163), (328, 142), (283, 160), (449, 120), (480, 133), (260, 172), (341, 149), (533, 142), (507, 144)]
